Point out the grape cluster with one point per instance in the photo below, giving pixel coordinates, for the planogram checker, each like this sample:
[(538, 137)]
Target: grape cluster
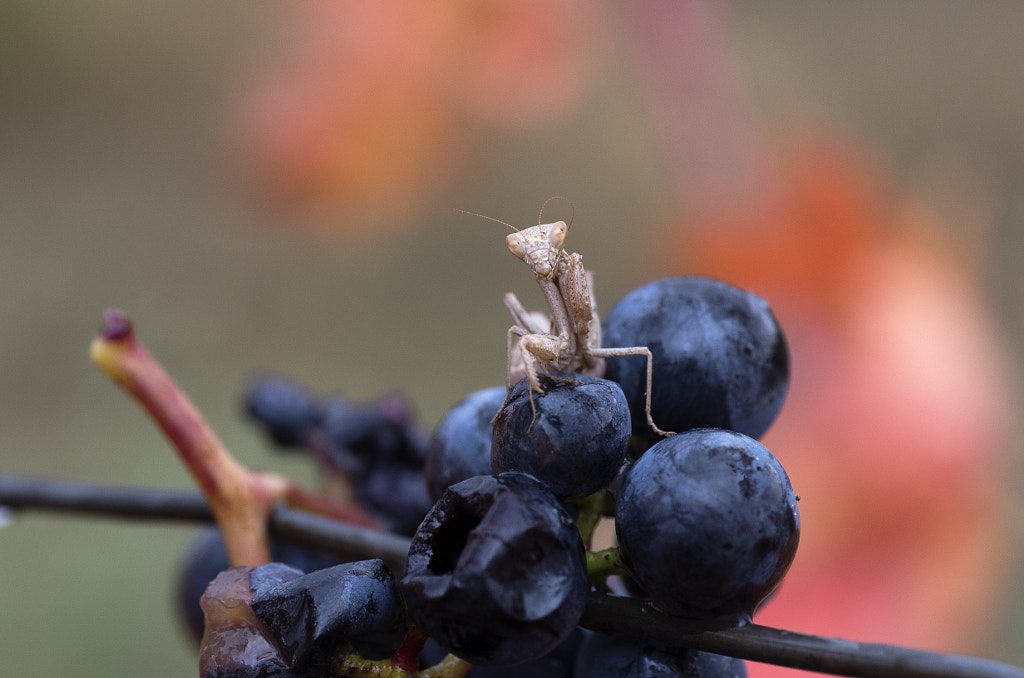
[(506, 495), (378, 449)]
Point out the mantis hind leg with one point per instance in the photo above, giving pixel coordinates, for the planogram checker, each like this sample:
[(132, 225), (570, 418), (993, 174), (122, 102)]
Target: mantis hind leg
[(630, 351)]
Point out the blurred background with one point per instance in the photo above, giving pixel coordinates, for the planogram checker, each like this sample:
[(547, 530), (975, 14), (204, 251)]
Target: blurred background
[(271, 187)]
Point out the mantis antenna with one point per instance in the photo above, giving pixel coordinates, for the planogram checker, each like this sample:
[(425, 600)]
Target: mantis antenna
[(540, 217), (484, 216)]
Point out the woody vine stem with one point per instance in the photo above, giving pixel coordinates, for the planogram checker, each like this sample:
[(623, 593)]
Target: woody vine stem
[(603, 613)]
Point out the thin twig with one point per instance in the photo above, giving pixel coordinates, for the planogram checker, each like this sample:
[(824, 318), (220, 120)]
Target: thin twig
[(69, 496), (612, 614), (286, 524), (604, 613), (338, 539)]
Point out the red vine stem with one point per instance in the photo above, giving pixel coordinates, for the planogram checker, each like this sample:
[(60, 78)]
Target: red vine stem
[(241, 500)]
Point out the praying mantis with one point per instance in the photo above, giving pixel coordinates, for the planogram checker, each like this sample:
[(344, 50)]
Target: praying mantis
[(570, 341)]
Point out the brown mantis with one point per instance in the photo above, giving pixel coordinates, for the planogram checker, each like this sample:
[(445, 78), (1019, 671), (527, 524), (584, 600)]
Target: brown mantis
[(571, 340)]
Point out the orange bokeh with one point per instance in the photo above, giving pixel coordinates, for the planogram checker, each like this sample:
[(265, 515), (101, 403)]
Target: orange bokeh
[(896, 428), (371, 106)]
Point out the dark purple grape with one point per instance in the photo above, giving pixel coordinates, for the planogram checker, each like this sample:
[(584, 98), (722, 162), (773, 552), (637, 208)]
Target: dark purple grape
[(496, 573), (720, 358), (266, 577), (206, 557), (286, 411), (620, 656), (382, 449), (384, 430), (708, 523), (308, 614), (397, 494), (573, 436), (378, 447), (460, 446)]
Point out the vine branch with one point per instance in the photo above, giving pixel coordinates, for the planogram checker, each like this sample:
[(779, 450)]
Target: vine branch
[(608, 614)]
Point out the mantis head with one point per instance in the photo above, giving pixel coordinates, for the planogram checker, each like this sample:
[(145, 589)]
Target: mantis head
[(539, 246)]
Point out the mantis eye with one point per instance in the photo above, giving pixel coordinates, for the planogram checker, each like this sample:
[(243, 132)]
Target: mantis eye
[(557, 234), (516, 245)]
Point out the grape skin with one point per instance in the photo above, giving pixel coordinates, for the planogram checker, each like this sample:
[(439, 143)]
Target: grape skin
[(460, 446), (496, 573), (708, 524), (573, 436), (720, 357)]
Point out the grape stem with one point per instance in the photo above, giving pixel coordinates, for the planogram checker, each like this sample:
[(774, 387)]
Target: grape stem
[(449, 667), (407, 656), (608, 614), (348, 663), (604, 563), (240, 499), (589, 510), (404, 663)]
